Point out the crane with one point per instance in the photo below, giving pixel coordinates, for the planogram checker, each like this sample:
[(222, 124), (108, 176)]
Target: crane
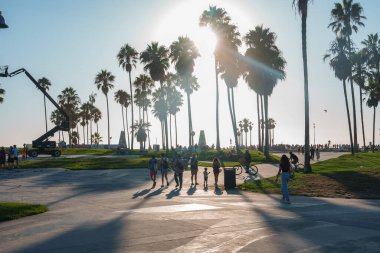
[(42, 145)]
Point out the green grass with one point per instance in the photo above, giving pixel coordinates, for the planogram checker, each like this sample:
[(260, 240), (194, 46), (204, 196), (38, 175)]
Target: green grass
[(347, 176), (11, 211)]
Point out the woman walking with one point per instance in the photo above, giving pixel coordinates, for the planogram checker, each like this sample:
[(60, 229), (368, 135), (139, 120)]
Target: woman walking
[(284, 170), (216, 166)]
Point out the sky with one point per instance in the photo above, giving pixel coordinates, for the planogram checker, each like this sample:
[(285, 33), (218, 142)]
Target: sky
[(70, 41)]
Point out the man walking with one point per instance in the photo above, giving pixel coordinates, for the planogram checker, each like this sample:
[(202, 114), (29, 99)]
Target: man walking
[(153, 169), (194, 169), (179, 168)]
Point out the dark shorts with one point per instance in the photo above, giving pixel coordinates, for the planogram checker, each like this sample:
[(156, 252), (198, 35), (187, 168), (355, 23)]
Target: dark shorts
[(164, 171), (194, 171), (216, 170)]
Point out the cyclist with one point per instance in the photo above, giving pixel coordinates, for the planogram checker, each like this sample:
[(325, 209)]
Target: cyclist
[(248, 160), (293, 159)]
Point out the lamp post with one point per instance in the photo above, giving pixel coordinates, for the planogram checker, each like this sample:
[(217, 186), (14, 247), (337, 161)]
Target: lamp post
[(2, 22), (314, 133)]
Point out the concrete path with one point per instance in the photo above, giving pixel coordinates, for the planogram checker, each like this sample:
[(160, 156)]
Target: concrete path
[(116, 211)]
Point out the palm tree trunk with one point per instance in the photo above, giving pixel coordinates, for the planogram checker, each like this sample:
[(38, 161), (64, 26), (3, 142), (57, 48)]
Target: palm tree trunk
[(189, 115), (232, 118), (130, 88), (250, 137), (166, 133), (373, 129), (162, 135), (91, 132), (353, 103), (258, 121), (84, 139), (59, 136), (170, 125), (217, 107), (246, 145), (307, 167), (45, 113), (361, 113), (262, 121), (266, 149), (122, 116), (147, 120), (233, 109), (348, 116), (87, 132), (108, 120), (126, 122), (175, 124)]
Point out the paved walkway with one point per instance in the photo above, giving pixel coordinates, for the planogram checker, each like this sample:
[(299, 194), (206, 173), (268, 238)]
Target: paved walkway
[(116, 211)]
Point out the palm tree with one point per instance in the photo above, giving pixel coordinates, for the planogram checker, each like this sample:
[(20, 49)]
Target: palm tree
[(341, 65), (250, 126), (123, 98), (97, 115), (245, 127), (74, 136), (346, 18), (96, 138), (44, 83), (57, 118), (2, 92), (140, 132), (301, 6), (372, 50), (69, 100), (86, 117), (104, 81), (127, 58), (359, 60), (156, 62), (215, 18), (373, 100), (160, 111), (91, 99), (175, 102), (183, 53), (265, 66), (271, 126)]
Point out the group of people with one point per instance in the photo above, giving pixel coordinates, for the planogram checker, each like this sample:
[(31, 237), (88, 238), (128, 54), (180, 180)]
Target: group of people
[(178, 166), (314, 152)]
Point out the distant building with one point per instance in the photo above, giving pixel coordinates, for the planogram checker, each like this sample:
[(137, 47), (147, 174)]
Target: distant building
[(202, 140), (122, 142)]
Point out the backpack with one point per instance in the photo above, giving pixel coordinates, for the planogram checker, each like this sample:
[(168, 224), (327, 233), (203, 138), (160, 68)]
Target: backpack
[(193, 163)]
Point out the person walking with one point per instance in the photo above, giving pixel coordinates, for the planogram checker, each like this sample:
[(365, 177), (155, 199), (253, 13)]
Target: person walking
[(318, 154), (3, 155), (312, 150), (179, 166), (164, 169), (152, 166), (284, 170), (216, 167), (15, 155), (194, 169), (24, 152), (10, 158)]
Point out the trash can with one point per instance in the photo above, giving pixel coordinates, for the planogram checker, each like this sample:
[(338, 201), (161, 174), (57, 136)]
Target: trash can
[(229, 178)]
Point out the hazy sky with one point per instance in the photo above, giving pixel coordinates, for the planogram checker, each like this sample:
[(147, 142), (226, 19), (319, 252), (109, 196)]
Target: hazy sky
[(70, 41)]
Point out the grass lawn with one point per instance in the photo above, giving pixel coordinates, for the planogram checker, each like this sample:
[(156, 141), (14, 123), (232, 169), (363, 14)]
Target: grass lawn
[(347, 176), (12, 211)]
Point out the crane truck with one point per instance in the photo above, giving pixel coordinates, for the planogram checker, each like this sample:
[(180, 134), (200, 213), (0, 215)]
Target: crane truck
[(42, 145)]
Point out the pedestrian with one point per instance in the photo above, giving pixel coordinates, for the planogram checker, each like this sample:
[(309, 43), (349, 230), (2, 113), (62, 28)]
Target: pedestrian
[(247, 161), (284, 170), (179, 166), (312, 153), (318, 154), (10, 158), (153, 169), (24, 152), (194, 168), (216, 167), (164, 169), (2, 157), (205, 178), (15, 155)]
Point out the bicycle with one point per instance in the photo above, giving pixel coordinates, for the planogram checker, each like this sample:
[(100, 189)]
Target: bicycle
[(298, 167), (252, 170)]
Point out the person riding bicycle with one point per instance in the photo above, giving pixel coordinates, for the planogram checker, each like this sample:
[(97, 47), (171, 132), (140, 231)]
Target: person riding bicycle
[(293, 158), (247, 161)]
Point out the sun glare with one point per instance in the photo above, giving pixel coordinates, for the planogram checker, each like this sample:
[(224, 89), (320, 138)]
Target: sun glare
[(205, 41)]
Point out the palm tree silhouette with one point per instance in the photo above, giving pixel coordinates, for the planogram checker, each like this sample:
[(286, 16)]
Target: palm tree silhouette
[(57, 118), (373, 100), (86, 117), (346, 18), (91, 99), (339, 62), (215, 18), (97, 115), (123, 98), (175, 102), (301, 6), (183, 54), (265, 66), (156, 62), (45, 84), (127, 58), (160, 109), (2, 92), (104, 81)]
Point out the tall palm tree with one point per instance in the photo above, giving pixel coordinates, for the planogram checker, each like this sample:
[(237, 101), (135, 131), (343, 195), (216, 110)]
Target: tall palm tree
[(183, 54), (174, 106), (245, 125), (265, 67), (86, 116), (160, 110), (372, 50), (271, 126), (2, 92), (340, 63), (215, 18), (57, 118), (360, 73), (96, 138), (91, 99), (140, 132), (123, 98), (45, 84), (69, 100), (127, 58), (156, 61), (250, 126), (104, 81), (373, 100), (301, 6), (97, 115), (346, 18)]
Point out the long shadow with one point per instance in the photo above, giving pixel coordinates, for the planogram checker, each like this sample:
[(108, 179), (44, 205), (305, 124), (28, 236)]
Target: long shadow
[(191, 190), (140, 193), (172, 193)]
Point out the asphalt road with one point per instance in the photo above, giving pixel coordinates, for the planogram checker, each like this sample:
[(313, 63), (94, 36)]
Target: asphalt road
[(116, 211)]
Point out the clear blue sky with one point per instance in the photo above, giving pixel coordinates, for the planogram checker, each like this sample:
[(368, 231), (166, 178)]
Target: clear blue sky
[(70, 41)]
